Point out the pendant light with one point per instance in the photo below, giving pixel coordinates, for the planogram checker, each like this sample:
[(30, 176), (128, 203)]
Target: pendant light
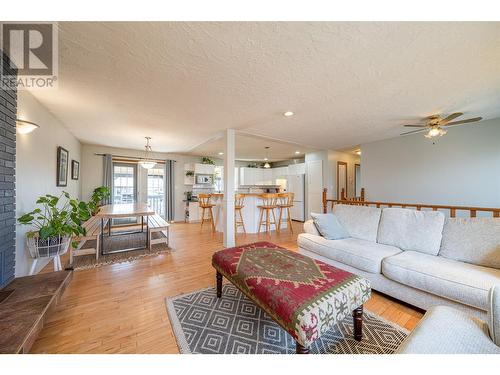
[(267, 165), (147, 162)]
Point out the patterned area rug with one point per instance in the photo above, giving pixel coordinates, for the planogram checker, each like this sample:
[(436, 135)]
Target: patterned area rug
[(119, 242), (234, 324)]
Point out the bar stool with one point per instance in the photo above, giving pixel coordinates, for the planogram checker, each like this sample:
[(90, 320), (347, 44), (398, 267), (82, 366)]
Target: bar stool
[(285, 201), (269, 203), (204, 203), (239, 203)]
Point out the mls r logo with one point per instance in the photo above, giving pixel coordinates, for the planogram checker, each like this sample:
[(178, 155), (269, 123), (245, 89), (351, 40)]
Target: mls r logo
[(29, 47)]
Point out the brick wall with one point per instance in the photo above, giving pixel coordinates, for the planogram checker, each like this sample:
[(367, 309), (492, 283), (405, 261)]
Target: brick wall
[(8, 110)]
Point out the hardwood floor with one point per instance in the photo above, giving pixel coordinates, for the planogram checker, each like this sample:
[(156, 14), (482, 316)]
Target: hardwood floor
[(120, 308)]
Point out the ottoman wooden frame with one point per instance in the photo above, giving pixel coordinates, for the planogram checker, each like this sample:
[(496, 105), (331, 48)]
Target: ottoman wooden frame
[(334, 291)]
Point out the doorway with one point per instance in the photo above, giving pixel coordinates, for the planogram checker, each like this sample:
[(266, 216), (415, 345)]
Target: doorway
[(341, 179), (357, 179)]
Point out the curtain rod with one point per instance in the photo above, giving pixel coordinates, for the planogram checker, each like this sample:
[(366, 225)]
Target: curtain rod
[(132, 157)]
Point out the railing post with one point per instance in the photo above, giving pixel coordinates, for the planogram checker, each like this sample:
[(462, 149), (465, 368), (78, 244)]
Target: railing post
[(325, 209)]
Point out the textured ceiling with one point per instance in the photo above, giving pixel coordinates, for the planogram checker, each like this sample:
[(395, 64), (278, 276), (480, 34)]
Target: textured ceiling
[(348, 83), (249, 147)]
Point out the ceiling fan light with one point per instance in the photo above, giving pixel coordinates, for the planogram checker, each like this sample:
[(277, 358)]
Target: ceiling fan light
[(267, 165)]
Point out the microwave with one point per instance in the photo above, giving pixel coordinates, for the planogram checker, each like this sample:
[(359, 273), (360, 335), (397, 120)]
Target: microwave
[(204, 179)]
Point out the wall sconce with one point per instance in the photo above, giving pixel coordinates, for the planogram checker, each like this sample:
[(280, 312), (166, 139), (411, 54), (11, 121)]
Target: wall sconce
[(25, 127)]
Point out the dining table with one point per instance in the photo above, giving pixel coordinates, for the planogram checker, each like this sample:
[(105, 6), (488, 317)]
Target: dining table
[(123, 210)]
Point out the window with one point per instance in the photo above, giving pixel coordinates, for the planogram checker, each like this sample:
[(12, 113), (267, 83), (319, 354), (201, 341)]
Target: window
[(156, 190), (124, 183)]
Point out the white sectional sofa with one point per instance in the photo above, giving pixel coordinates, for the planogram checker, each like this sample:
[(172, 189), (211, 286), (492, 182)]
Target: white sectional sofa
[(419, 257)]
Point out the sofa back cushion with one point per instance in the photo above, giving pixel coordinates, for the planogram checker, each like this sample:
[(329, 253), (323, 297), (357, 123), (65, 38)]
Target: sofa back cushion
[(473, 240), (411, 229), (359, 221), (329, 226)]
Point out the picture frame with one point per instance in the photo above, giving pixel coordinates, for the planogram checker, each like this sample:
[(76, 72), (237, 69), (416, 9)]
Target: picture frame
[(75, 170), (62, 166)]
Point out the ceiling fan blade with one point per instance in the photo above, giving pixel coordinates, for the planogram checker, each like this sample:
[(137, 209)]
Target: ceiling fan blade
[(450, 117), (475, 119), (414, 131), (416, 126)]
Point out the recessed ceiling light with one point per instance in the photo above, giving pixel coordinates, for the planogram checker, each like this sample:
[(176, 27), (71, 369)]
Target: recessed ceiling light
[(297, 152), (288, 114), (221, 153)]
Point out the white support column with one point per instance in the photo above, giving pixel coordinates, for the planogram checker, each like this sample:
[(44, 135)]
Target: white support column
[(228, 211)]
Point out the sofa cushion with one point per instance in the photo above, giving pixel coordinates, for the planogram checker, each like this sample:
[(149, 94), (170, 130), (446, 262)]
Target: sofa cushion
[(310, 228), (329, 226), (445, 330), (494, 314), (411, 229), (361, 222), (461, 282), (361, 254), (472, 240)]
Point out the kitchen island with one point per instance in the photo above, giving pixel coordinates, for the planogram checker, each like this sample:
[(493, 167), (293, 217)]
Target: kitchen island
[(250, 212)]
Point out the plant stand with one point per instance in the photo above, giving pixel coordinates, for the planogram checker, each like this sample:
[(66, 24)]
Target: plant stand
[(52, 248)]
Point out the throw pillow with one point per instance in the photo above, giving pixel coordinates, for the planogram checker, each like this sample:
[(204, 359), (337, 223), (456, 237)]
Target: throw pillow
[(329, 226)]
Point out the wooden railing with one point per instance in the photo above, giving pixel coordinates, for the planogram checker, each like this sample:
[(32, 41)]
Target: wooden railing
[(472, 211), (357, 199)]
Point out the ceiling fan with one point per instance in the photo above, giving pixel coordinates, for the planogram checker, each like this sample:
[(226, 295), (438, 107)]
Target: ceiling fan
[(434, 124)]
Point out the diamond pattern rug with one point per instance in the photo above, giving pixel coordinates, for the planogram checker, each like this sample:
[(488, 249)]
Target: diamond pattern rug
[(202, 323)]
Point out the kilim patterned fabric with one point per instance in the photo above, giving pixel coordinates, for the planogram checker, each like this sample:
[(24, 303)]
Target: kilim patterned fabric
[(305, 296)]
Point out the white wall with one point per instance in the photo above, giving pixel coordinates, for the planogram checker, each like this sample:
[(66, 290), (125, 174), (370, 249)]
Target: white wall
[(91, 172), (36, 159), (462, 168)]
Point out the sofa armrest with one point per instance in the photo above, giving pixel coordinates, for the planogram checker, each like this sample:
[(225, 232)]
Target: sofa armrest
[(310, 228), (494, 314)]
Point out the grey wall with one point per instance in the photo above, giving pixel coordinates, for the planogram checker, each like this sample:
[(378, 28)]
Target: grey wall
[(8, 103), (462, 168)]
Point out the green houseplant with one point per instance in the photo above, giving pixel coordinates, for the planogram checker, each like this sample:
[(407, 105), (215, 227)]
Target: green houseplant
[(54, 222), (99, 194), (207, 160)]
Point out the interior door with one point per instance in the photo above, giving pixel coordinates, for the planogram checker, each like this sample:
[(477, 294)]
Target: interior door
[(341, 178), (314, 174)]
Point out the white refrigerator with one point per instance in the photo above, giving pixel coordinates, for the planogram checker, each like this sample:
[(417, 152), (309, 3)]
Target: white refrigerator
[(296, 185)]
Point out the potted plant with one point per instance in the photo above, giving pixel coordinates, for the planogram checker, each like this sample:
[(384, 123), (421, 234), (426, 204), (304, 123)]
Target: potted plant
[(189, 173), (207, 160), (55, 221), (100, 193)]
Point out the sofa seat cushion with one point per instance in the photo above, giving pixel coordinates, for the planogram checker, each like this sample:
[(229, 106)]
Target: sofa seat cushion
[(444, 330), (411, 229), (364, 255), (360, 222), (461, 282), (474, 240)]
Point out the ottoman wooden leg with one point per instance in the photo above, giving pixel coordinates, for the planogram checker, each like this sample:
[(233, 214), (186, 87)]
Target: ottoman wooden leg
[(218, 276), (299, 349), (357, 315)]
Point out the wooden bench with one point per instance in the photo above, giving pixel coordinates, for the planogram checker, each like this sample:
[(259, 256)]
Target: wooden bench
[(157, 224), (93, 232)]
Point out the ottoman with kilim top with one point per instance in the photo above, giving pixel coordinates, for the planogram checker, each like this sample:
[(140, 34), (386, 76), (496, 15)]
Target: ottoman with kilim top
[(303, 295)]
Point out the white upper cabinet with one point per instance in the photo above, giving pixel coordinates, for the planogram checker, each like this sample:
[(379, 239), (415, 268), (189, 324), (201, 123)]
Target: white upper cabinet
[(297, 168), (204, 168), (280, 172)]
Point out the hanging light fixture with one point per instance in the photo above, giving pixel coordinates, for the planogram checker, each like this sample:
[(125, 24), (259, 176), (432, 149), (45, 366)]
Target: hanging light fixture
[(147, 162), (267, 165)]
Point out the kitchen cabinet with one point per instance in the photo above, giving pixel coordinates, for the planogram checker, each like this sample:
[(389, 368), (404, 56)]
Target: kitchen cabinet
[(280, 172), (297, 168), (204, 169)]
